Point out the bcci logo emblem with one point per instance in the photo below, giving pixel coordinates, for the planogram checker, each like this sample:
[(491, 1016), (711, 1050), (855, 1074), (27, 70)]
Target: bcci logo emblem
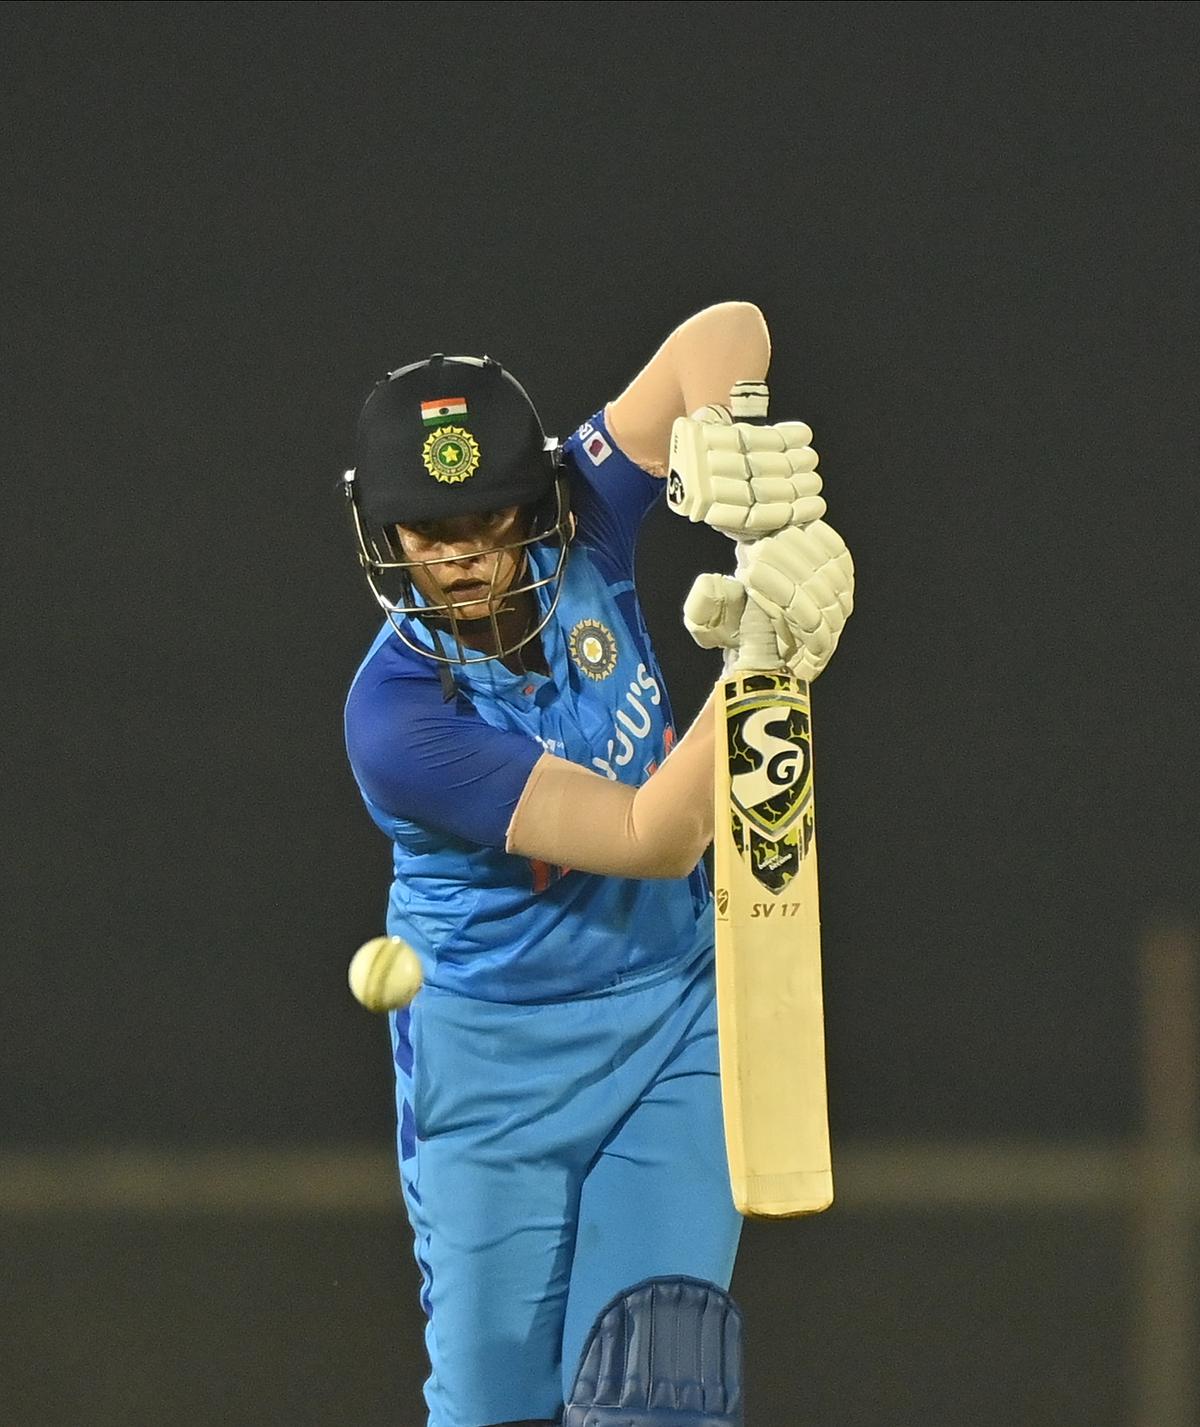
[(451, 454), (593, 648)]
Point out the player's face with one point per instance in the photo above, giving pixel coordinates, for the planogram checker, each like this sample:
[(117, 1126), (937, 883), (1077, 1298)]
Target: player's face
[(458, 563)]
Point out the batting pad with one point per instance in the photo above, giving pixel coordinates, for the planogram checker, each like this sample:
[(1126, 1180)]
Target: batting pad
[(664, 1353)]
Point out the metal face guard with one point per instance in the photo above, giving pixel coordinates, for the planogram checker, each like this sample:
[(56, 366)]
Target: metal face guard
[(378, 557)]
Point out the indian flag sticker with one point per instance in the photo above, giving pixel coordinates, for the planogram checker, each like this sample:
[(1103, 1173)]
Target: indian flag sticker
[(445, 408)]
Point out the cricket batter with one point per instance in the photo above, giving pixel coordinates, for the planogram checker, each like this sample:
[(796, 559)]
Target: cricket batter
[(560, 1130)]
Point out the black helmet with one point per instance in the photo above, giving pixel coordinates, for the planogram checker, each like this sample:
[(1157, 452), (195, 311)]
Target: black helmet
[(452, 436), (449, 436)]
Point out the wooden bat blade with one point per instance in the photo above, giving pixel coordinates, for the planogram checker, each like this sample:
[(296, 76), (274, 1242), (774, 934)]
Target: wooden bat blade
[(769, 999)]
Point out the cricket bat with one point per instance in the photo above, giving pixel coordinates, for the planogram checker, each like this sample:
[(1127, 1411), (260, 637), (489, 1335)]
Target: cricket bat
[(771, 1021)]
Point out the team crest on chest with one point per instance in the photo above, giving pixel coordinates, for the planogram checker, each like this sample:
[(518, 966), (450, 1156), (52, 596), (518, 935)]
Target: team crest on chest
[(594, 648), (451, 454)]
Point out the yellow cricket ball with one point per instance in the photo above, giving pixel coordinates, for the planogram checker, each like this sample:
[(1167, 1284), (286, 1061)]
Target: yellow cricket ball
[(385, 973)]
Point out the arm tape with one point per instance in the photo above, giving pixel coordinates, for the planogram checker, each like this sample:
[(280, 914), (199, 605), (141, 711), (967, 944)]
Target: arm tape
[(576, 818)]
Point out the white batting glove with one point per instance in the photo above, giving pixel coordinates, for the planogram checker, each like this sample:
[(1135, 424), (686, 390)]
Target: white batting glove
[(803, 577), (713, 611), (748, 481)]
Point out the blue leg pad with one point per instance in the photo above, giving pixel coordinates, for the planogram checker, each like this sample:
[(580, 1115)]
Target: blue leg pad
[(664, 1353)]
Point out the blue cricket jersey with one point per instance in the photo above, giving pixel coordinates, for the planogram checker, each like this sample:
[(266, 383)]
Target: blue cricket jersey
[(442, 778)]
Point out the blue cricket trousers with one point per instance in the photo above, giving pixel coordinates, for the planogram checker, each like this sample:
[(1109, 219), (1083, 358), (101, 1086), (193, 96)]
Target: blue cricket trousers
[(552, 1155)]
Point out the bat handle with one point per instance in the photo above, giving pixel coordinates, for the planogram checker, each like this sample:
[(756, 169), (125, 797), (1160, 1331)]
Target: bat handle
[(757, 646)]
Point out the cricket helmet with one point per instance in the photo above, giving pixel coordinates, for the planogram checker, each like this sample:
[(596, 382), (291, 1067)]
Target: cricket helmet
[(456, 436)]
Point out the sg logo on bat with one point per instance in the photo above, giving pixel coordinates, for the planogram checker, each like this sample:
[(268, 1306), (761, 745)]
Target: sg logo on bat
[(769, 747)]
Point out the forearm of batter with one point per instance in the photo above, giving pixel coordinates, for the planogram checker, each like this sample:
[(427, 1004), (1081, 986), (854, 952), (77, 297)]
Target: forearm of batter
[(578, 819), (694, 367)]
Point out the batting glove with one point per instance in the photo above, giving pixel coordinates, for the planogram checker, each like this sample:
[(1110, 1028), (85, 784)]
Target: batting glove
[(713, 609), (748, 481), (803, 578)]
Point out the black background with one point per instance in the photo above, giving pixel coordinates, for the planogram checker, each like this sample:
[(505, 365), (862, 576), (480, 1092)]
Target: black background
[(971, 230)]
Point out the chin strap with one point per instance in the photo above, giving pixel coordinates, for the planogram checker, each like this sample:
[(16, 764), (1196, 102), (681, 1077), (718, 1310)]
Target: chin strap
[(445, 677), (449, 687)]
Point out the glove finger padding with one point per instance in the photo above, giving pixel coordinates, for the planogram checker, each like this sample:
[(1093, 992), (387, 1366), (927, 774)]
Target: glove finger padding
[(713, 611), (761, 520), (742, 436), (744, 480), (803, 577), (738, 490), (777, 465)]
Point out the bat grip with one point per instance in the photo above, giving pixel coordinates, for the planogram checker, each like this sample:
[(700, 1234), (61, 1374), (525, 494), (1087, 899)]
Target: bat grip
[(757, 646)]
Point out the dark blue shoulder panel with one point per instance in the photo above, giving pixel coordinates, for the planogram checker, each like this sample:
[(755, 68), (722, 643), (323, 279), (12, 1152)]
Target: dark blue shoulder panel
[(610, 496), (438, 764)]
